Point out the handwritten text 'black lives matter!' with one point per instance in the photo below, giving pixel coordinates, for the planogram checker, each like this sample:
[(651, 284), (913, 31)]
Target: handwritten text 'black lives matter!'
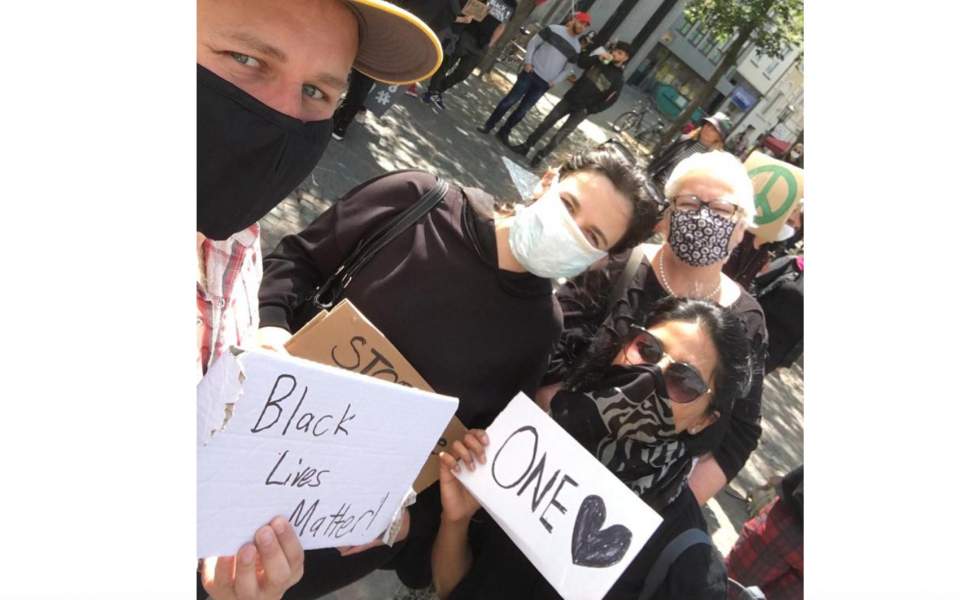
[(293, 411)]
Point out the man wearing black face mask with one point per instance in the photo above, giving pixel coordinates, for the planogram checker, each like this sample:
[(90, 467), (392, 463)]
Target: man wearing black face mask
[(269, 74)]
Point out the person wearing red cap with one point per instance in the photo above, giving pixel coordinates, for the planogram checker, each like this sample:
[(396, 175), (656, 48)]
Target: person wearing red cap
[(545, 64)]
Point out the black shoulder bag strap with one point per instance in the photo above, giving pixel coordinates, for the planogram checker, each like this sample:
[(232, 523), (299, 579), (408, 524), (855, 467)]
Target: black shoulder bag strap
[(329, 293), (636, 255), (669, 556)]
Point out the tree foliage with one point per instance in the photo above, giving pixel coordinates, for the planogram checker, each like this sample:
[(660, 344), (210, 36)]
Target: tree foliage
[(773, 26), (776, 25)]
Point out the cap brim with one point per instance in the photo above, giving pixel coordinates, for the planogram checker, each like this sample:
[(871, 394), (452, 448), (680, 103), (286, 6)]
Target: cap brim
[(395, 46), (716, 126)]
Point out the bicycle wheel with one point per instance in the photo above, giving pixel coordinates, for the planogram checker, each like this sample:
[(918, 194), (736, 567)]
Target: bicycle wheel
[(649, 136), (625, 121)]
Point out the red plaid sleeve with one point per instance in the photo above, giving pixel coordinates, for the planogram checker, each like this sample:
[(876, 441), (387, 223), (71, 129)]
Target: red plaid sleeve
[(769, 554)]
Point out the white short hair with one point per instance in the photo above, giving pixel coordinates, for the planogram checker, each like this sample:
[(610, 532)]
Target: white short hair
[(721, 166)]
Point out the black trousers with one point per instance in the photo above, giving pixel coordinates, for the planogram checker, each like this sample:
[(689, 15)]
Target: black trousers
[(561, 110), (466, 56), (357, 90)]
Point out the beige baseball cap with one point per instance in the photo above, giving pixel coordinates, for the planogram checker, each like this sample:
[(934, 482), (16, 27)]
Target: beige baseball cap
[(395, 46)]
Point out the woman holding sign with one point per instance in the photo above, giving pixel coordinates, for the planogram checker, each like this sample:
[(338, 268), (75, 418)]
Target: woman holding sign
[(710, 206), (464, 294), (644, 409)]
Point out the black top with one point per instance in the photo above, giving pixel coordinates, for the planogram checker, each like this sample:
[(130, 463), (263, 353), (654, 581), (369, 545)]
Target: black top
[(483, 30), (660, 168), (584, 303), (437, 14), (599, 86), (500, 570), (471, 330), (791, 493)]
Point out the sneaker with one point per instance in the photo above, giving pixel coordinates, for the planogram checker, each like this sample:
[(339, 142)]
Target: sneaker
[(437, 100), (484, 129), (427, 97), (503, 134), (412, 91), (338, 133), (361, 117), (536, 160)]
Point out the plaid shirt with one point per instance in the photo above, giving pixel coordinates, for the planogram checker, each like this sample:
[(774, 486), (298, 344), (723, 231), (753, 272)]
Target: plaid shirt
[(769, 554), (227, 313)]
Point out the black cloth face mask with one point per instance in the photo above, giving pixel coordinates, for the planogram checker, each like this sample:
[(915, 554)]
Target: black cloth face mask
[(626, 421), (249, 156)]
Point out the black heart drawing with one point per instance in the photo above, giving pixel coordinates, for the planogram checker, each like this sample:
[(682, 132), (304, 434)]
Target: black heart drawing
[(592, 547)]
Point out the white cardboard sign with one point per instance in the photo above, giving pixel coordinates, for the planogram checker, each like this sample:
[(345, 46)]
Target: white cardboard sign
[(333, 451), (573, 519)]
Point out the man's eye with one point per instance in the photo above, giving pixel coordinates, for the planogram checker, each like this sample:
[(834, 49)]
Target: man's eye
[(313, 92), (567, 205), (247, 61), (595, 241)]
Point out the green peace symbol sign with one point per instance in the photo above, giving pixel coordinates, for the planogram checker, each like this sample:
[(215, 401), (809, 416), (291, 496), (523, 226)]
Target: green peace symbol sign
[(764, 213)]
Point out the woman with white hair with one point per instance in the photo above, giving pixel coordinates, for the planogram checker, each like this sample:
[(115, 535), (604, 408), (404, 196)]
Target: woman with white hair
[(710, 204)]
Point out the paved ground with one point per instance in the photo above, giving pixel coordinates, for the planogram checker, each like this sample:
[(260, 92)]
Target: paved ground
[(415, 135)]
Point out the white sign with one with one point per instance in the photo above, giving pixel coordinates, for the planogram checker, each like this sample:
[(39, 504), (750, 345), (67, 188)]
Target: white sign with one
[(333, 451), (576, 522)]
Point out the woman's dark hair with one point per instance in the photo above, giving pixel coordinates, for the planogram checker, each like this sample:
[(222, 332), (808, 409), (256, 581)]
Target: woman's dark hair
[(734, 369), (627, 180)]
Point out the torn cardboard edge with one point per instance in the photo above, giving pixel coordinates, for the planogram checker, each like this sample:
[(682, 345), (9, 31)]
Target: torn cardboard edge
[(245, 453)]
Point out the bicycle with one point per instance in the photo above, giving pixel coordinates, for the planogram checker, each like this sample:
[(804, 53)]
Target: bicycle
[(634, 120)]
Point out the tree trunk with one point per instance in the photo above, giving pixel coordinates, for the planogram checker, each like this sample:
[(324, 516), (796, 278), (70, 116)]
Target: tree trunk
[(524, 8), (704, 93)]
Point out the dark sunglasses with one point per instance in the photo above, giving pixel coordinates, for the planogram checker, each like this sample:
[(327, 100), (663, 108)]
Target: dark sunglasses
[(684, 382)]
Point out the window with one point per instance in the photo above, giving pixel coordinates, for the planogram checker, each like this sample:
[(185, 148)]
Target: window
[(685, 28), (715, 56), (771, 68)]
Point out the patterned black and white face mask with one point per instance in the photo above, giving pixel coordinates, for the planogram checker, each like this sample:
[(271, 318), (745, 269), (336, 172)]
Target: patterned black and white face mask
[(699, 238), (627, 424)]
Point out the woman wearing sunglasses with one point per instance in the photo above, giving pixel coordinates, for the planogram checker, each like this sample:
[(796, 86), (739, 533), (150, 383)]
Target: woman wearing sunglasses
[(647, 409), (710, 205)]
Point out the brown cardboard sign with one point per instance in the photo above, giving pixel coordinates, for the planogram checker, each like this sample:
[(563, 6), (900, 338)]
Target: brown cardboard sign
[(777, 190), (345, 338), (476, 9)]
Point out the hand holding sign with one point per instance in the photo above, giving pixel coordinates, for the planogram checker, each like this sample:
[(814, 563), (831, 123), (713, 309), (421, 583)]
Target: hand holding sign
[(248, 576), (572, 518), (458, 503)]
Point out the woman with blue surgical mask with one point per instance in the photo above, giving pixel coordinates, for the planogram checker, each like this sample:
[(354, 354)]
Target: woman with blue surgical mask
[(465, 295)]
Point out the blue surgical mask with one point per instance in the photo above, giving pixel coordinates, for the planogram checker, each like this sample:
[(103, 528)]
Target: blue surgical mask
[(546, 240)]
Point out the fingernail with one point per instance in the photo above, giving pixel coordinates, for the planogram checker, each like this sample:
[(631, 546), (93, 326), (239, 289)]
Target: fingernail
[(247, 555), (278, 527), (265, 537), (483, 459)]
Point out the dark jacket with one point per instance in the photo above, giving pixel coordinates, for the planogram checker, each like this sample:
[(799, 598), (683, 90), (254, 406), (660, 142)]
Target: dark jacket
[(598, 88), (500, 570), (659, 169)]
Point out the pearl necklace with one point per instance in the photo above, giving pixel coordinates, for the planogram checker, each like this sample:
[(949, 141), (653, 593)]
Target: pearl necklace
[(666, 284)]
